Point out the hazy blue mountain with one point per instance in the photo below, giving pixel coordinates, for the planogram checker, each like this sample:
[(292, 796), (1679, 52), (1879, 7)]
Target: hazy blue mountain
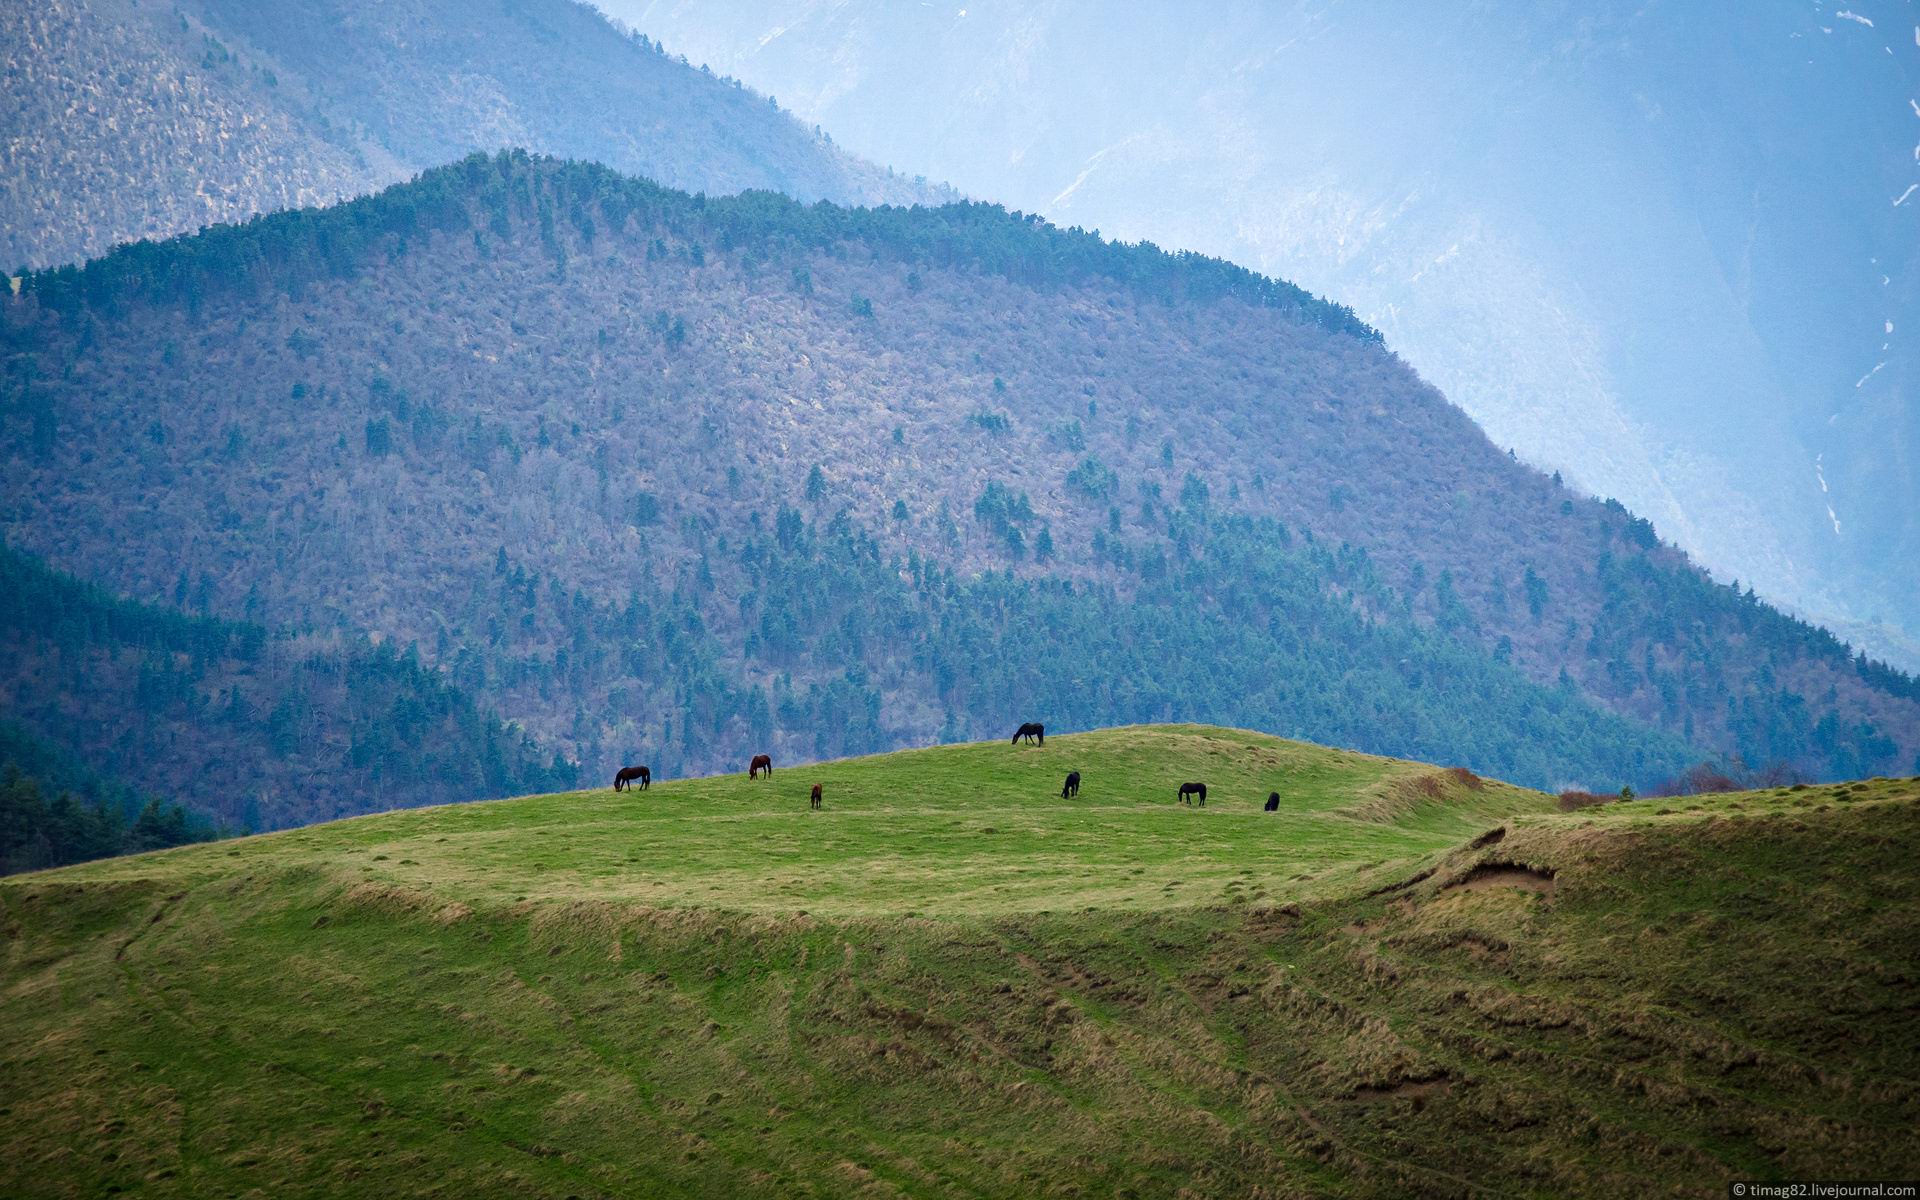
[(1668, 249), (127, 120)]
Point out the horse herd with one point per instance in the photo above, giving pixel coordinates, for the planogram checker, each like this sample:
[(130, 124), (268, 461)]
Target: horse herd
[(1032, 732)]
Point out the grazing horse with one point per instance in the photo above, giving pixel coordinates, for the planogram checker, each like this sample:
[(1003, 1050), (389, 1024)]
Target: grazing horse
[(1072, 787), (1033, 731), (815, 799), (1273, 801), (761, 762), (626, 775), (1193, 789)]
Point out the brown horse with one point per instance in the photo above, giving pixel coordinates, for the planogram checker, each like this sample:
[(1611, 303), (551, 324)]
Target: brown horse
[(624, 779), (815, 799), (1033, 731), (1193, 789), (761, 762)]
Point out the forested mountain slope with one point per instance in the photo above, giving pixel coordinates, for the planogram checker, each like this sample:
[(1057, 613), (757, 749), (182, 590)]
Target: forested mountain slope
[(56, 809), (676, 477), (131, 120), (254, 730)]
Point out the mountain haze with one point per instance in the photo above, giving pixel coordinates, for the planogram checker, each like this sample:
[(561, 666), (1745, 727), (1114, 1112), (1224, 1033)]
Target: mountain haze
[(1670, 250), (666, 477), (134, 120)]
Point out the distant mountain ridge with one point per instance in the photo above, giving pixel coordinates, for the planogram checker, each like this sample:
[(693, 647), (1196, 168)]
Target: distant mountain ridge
[(1670, 250), (663, 475), (142, 121)]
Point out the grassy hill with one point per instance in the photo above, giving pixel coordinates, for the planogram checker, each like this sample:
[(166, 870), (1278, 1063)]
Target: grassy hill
[(949, 831), (950, 981)]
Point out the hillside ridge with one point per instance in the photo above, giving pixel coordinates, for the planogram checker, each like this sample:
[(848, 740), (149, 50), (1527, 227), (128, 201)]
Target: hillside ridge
[(699, 849)]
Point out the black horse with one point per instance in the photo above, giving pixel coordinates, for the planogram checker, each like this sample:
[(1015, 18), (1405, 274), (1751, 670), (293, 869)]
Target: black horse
[(626, 775), (1033, 731), (1072, 787), (1193, 789), (1273, 801)]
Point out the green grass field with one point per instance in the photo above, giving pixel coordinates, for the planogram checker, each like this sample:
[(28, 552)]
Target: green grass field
[(955, 830), (952, 982)]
